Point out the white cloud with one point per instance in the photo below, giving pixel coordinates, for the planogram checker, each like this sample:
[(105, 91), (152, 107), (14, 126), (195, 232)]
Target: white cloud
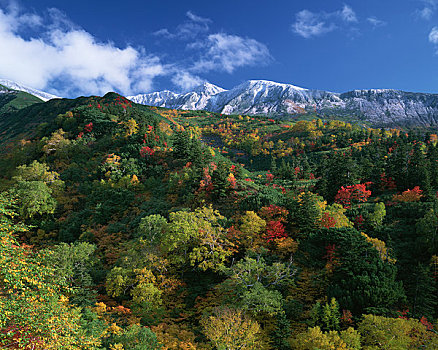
[(211, 51), (224, 52), (163, 32), (49, 52), (311, 24), (375, 22), (187, 30), (426, 13), (433, 35), (71, 56), (196, 18), (186, 81), (347, 14)]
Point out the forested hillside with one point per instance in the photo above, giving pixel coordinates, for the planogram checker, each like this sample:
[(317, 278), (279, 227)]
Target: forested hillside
[(12, 100), (133, 227)]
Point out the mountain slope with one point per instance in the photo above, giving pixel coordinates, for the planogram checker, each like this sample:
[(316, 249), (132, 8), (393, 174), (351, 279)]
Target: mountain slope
[(196, 99), (267, 97), (12, 100), (30, 121), (378, 106), (19, 87)]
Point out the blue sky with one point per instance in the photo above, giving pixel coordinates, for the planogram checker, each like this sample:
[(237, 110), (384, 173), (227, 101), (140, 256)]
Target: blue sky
[(73, 48)]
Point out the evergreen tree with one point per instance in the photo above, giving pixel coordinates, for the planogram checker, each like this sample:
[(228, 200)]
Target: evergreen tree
[(307, 213), (418, 173), (305, 166), (432, 156), (274, 166), (398, 166), (181, 144), (219, 179), (282, 332), (424, 294), (359, 279), (339, 170)]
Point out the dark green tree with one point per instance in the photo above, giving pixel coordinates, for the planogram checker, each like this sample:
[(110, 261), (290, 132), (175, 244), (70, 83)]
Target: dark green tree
[(282, 332), (181, 144), (338, 170), (360, 280), (418, 171), (219, 179), (424, 297)]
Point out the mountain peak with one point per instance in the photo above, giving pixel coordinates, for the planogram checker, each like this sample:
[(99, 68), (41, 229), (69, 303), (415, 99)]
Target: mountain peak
[(269, 83), (208, 89)]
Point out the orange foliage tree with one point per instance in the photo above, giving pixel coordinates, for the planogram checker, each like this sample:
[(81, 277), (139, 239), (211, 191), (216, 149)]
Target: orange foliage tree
[(407, 196)]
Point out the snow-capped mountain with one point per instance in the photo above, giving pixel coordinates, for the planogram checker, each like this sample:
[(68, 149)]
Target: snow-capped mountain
[(267, 97), (196, 99), (387, 106), (379, 106), (19, 87)]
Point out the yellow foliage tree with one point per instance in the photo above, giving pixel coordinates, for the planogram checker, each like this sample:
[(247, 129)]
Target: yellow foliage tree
[(381, 248), (384, 333), (314, 338), (34, 314), (131, 127), (56, 142), (251, 227), (230, 329)]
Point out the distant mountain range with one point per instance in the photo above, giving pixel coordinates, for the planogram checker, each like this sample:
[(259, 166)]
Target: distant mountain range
[(381, 107)]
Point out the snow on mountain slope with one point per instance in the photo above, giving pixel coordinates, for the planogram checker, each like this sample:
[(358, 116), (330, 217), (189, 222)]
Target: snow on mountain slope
[(387, 106), (15, 86), (379, 106), (196, 99), (267, 97)]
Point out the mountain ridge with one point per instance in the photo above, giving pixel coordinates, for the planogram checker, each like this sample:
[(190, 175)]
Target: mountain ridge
[(44, 96), (381, 107)]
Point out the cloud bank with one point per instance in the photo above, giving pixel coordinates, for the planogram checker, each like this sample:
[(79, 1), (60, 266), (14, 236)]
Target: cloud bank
[(75, 59), (220, 52), (226, 52), (189, 29), (433, 35), (53, 54)]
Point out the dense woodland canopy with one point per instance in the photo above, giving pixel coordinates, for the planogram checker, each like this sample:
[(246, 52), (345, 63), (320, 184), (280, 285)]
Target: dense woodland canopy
[(133, 227)]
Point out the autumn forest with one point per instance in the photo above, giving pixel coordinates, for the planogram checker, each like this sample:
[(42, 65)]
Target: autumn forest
[(129, 227)]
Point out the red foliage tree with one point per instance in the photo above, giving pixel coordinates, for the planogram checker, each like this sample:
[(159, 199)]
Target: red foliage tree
[(358, 193), (147, 151), (274, 212), (274, 230), (269, 177), (88, 127), (275, 217), (358, 221), (327, 221)]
